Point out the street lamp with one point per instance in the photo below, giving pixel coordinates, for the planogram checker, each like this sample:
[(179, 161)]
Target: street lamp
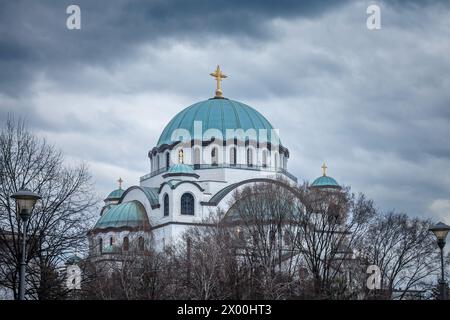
[(25, 201), (441, 230)]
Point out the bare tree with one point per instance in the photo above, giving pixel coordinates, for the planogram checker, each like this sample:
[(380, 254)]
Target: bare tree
[(332, 225), (132, 276), (276, 243), (263, 218), (288, 242), (405, 251), (204, 262), (60, 219)]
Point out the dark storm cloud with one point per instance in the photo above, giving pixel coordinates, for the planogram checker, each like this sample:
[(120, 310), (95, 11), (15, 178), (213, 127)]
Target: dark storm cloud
[(34, 37)]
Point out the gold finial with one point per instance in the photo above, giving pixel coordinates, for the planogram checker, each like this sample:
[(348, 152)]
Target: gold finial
[(180, 156), (324, 169), (120, 182), (219, 76)]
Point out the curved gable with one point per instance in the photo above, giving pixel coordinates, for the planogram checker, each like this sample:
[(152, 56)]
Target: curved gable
[(150, 193), (219, 196)]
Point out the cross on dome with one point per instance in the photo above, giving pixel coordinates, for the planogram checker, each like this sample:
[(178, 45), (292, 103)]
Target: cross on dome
[(219, 76), (324, 169), (120, 182)]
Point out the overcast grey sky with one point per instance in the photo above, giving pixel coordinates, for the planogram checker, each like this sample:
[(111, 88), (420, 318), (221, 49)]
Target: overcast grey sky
[(375, 105)]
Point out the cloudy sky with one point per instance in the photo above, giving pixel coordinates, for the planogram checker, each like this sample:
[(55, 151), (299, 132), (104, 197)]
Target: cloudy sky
[(373, 104)]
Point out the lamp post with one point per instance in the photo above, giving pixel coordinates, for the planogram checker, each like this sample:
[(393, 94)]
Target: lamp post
[(441, 230), (25, 201)]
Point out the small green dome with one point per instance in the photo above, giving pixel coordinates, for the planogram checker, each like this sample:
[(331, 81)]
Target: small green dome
[(180, 169), (325, 182), (216, 113), (125, 215), (115, 195)]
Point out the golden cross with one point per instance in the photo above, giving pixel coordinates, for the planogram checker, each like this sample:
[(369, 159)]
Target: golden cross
[(219, 76), (180, 156), (324, 168), (120, 183)]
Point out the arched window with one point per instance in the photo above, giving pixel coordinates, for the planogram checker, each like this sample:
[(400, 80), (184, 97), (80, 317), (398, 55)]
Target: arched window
[(181, 156), (157, 162), (187, 204), (166, 204), (100, 245), (141, 244), (111, 241), (126, 244), (233, 156), (167, 160), (214, 161), (264, 158), (249, 157), (196, 157)]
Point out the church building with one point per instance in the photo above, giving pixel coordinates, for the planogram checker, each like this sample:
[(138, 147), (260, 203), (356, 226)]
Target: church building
[(204, 153)]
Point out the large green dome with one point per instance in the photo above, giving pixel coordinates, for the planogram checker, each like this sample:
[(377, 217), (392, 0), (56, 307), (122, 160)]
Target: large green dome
[(216, 113)]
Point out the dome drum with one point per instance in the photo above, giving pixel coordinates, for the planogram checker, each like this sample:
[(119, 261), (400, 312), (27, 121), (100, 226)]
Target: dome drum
[(281, 149)]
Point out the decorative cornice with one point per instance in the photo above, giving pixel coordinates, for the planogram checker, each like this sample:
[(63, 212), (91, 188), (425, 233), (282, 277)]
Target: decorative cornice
[(180, 174), (174, 186)]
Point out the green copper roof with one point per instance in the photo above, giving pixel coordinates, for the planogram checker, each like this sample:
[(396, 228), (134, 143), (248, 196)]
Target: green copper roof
[(115, 195), (325, 182), (181, 168), (129, 214), (220, 114)]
